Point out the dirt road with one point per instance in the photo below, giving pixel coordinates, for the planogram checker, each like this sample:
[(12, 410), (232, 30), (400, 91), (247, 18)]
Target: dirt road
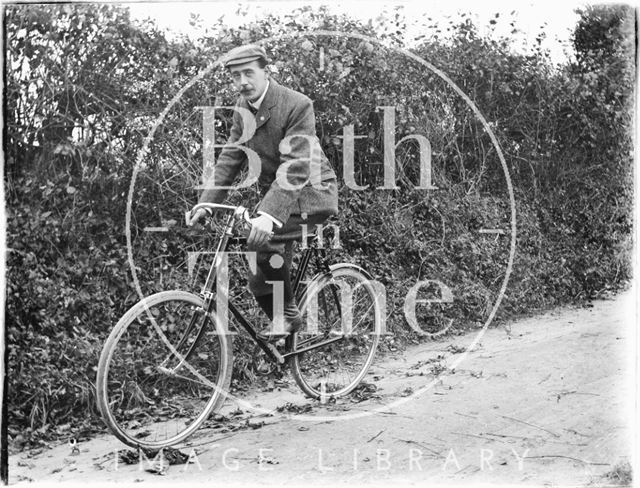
[(549, 404)]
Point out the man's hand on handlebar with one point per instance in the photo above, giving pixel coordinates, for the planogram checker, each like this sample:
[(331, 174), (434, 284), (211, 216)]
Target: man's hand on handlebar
[(200, 214), (261, 231), (261, 226)]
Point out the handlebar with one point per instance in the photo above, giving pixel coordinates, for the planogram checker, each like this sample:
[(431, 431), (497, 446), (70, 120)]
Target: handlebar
[(239, 212)]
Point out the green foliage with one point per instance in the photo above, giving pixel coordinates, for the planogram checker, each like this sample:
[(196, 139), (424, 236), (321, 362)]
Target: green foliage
[(77, 115)]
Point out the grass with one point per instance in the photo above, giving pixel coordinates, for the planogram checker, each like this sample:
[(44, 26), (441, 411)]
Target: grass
[(621, 474)]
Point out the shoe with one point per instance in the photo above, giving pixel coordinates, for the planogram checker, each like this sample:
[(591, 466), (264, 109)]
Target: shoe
[(292, 323)]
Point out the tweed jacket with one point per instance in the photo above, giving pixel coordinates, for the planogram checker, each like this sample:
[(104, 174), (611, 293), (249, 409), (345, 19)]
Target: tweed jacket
[(284, 138)]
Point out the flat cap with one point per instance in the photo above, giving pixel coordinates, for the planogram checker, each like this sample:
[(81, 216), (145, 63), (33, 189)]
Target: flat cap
[(244, 54)]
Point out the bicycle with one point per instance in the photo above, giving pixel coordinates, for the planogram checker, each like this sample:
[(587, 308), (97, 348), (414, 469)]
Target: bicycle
[(167, 364)]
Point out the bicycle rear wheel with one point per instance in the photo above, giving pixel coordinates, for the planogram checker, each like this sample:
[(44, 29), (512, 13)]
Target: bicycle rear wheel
[(164, 368), (335, 369)]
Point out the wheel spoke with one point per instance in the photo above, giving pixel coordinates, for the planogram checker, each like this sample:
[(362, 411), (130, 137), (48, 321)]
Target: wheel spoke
[(160, 376), (341, 365)]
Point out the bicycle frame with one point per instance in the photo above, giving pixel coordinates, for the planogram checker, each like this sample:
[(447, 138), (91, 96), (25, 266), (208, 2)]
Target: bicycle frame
[(139, 356), (210, 284)]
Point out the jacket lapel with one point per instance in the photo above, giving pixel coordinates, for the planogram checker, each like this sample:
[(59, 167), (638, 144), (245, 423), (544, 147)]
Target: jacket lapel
[(270, 101)]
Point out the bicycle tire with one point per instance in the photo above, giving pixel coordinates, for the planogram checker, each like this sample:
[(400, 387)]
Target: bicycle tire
[(316, 371), (141, 386)]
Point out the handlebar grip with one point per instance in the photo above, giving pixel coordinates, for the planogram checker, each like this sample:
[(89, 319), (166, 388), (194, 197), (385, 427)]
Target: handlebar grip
[(188, 215), (240, 211)]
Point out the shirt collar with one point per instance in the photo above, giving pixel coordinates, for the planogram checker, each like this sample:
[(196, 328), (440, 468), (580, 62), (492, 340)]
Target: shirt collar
[(259, 101)]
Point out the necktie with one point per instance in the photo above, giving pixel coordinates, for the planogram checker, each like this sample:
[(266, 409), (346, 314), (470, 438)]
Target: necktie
[(254, 110)]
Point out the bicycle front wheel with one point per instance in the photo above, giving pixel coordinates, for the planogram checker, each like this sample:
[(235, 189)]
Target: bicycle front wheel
[(164, 368), (344, 313)]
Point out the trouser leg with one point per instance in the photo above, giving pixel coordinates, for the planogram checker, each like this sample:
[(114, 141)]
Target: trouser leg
[(273, 273), (273, 259)]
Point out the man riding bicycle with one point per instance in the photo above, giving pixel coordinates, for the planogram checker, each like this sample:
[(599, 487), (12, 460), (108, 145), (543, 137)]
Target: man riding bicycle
[(296, 182)]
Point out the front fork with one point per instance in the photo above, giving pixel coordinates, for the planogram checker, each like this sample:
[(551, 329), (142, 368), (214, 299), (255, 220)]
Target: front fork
[(210, 283), (199, 316)]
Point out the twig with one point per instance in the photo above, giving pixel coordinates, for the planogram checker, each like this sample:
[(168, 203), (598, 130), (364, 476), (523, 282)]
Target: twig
[(544, 379), (375, 436), (512, 436), (421, 445), (564, 443), (568, 457), (465, 415), (531, 425), (382, 412), (474, 435), (100, 463), (476, 468), (576, 392), (573, 431), (216, 439)]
